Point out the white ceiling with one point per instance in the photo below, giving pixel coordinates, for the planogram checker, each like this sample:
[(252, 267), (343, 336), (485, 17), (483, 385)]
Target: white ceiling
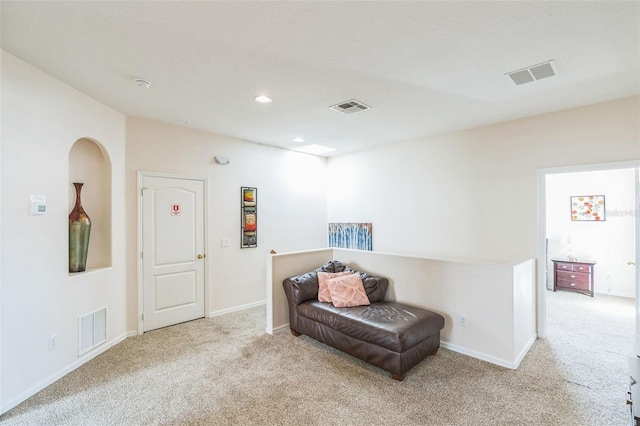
[(423, 67)]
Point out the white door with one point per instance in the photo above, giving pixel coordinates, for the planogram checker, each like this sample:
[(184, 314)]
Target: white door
[(172, 250)]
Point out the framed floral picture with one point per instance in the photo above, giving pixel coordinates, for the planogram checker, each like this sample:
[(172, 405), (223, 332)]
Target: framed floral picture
[(588, 208)]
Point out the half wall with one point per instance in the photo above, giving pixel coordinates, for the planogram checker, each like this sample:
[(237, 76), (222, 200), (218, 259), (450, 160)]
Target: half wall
[(497, 301)]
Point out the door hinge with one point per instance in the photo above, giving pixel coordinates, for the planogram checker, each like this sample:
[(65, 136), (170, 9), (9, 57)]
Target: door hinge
[(142, 255), (142, 316), (142, 190)]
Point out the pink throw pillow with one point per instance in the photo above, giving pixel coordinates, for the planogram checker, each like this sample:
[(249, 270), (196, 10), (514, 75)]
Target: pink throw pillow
[(347, 291), (323, 291)]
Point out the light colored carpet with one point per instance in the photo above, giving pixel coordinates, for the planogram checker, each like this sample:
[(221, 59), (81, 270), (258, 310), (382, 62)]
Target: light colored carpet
[(227, 371)]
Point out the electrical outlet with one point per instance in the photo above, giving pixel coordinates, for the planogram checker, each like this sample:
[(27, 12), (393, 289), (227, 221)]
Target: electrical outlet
[(224, 242), (53, 342), (463, 321)]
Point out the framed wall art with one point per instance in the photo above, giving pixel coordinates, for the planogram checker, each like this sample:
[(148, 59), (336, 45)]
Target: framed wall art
[(249, 219), (357, 236), (588, 208)]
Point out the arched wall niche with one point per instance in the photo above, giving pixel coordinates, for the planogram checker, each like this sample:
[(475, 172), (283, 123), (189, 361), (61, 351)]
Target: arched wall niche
[(89, 164)]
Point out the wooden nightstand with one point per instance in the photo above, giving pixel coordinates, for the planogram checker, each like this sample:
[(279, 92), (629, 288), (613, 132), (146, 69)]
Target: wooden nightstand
[(573, 275)]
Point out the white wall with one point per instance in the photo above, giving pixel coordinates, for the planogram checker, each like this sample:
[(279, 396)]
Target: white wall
[(1, 204), (473, 194), (610, 243), (291, 204), (41, 120)]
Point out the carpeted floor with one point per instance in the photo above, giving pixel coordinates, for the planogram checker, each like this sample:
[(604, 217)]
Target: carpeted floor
[(227, 371)]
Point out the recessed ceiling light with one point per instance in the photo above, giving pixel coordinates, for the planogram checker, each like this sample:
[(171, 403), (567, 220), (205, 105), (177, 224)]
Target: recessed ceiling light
[(315, 149), (184, 122), (299, 140), (262, 99), (145, 84)]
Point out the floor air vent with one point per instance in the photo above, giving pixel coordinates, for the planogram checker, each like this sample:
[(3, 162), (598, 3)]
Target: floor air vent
[(350, 107), (92, 330)]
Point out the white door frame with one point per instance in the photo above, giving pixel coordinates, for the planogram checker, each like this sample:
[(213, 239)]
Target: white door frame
[(637, 265), (542, 232), (141, 176)]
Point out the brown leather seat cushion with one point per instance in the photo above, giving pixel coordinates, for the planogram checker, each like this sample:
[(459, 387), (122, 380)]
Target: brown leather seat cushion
[(391, 325)]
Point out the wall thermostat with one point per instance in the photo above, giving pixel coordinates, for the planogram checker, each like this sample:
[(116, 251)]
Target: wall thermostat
[(38, 204)]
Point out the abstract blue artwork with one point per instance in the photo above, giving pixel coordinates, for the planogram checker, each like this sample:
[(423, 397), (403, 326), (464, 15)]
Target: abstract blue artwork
[(356, 236)]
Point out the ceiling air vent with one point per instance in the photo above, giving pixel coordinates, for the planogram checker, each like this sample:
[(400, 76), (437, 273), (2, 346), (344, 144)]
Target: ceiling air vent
[(350, 107), (533, 73)]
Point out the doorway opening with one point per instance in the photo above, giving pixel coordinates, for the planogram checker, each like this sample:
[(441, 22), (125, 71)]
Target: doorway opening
[(616, 249)]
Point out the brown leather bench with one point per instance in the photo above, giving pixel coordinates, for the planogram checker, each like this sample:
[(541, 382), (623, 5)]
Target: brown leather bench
[(389, 335)]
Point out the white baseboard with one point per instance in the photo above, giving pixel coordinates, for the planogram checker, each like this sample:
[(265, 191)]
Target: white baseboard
[(60, 374), (464, 351), (280, 328), (479, 355), (237, 308)]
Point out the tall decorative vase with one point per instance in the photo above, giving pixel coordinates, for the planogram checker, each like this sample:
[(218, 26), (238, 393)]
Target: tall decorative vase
[(79, 230)]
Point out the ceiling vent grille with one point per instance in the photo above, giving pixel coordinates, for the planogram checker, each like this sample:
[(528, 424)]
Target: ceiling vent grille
[(533, 73), (350, 107)]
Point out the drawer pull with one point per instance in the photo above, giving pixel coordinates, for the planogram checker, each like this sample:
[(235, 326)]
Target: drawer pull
[(572, 284), (572, 276)]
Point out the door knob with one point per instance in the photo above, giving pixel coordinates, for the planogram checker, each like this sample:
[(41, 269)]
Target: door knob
[(201, 256), (631, 263)]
